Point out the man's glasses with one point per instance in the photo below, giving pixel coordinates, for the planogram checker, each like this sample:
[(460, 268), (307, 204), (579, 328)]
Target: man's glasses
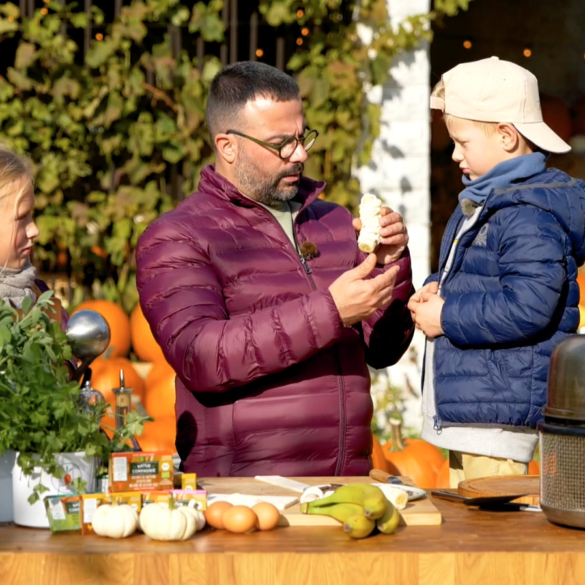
[(288, 147)]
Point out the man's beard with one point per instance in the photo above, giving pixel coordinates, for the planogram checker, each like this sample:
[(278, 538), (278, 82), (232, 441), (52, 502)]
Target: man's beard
[(265, 189)]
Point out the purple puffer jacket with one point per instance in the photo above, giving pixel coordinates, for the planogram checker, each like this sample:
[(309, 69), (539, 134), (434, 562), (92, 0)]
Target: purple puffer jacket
[(269, 381)]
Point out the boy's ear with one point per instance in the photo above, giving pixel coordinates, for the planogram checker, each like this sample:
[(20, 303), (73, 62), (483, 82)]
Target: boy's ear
[(509, 137)]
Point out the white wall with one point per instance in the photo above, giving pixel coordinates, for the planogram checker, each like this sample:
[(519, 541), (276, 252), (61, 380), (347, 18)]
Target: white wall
[(399, 174)]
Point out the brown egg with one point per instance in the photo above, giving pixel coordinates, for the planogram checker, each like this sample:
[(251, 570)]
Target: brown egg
[(268, 516), (239, 519), (214, 514)]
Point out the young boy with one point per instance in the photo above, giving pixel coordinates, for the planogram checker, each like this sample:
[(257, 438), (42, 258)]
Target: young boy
[(506, 292)]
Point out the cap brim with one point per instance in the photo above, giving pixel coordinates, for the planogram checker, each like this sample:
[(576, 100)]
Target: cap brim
[(543, 136)]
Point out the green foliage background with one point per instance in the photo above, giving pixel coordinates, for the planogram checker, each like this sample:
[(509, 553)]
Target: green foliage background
[(104, 139)]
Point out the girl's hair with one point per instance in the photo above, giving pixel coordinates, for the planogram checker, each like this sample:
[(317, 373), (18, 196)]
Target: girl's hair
[(439, 91), (14, 168), (16, 172)]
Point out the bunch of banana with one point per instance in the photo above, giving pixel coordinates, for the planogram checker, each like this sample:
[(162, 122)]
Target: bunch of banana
[(360, 507)]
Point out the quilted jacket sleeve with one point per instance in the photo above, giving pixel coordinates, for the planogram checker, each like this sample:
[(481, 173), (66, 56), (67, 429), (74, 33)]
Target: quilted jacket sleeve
[(388, 332), (532, 272), (181, 298)]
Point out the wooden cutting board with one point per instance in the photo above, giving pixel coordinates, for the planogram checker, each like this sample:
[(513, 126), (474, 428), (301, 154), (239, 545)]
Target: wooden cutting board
[(420, 512), (504, 485)]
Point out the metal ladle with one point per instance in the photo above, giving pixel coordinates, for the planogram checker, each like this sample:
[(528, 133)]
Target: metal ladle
[(89, 335)]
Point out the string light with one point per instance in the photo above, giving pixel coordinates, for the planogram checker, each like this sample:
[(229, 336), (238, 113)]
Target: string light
[(467, 44), (300, 13), (299, 42), (99, 37), (527, 52), (44, 11), (259, 52), (305, 32)]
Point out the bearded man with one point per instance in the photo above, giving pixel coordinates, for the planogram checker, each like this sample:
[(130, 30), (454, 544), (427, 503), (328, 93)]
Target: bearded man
[(256, 291)]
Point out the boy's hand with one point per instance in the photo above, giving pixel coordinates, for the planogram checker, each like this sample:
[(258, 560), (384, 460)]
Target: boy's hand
[(426, 314), (393, 236), (432, 288)]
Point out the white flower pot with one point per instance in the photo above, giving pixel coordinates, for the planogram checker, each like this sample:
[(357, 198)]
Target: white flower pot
[(76, 465), (6, 465)]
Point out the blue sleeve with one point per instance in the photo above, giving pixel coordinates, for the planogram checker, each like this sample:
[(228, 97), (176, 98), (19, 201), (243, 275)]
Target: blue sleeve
[(432, 278), (532, 273)]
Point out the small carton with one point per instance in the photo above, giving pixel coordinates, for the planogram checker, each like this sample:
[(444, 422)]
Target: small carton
[(189, 481), (141, 471), (91, 502), (195, 498), (63, 512)]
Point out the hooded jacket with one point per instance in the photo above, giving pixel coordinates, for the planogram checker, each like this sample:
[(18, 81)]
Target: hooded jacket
[(510, 297)]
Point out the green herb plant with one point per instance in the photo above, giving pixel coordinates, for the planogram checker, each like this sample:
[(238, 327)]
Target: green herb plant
[(41, 414)]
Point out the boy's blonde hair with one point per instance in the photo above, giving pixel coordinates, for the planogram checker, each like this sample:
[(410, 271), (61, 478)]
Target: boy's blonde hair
[(488, 127)]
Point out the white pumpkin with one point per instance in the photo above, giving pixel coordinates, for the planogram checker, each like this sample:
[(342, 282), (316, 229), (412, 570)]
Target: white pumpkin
[(114, 521), (160, 522), (199, 516)]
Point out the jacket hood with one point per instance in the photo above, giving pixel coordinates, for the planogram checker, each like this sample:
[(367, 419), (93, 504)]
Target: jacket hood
[(555, 192)]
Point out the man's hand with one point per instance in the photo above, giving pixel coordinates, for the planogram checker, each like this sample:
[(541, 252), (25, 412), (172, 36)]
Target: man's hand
[(432, 288), (393, 236), (426, 313), (358, 299)]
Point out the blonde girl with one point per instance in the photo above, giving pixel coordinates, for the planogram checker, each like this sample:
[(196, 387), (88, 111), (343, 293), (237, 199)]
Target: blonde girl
[(18, 231)]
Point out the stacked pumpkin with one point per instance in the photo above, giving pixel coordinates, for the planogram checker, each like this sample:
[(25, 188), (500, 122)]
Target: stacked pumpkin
[(424, 463), (581, 283), (156, 392)]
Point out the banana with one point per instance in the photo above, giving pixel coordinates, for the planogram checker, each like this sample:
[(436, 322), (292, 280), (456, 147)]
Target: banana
[(388, 523), (398, 497), (359, 526), (370, 497), (341, 512)]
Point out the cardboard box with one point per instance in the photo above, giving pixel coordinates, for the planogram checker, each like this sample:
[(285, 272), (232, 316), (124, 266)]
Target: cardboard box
[(194, 498), (189, 481), (64, 512), (141, 471), (91, 502)]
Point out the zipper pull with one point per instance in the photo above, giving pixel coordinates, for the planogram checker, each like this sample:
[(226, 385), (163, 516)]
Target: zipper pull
[(437, 426), (305, 265)]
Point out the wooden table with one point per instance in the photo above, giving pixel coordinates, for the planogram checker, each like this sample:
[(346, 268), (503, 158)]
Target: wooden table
[(470, 547)]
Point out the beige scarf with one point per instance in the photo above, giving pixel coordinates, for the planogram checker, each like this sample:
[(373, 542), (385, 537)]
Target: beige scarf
[(17, 284)]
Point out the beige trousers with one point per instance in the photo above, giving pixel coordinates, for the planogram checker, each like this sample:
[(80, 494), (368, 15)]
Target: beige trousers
[(467, 466)]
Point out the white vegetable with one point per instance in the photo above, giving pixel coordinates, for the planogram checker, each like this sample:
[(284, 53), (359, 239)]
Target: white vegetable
[(114, 521), (168, 523), (369, 238)]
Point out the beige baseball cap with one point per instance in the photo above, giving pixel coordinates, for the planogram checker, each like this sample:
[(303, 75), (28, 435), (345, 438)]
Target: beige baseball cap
[(492, 90)]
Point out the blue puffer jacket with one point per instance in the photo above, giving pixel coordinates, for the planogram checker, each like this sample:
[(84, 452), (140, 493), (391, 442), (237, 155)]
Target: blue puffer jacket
[(510, 298)]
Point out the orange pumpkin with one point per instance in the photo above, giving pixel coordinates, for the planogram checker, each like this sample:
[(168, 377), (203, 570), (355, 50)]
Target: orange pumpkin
[(159, 399), (159, 369), (143, 342), (106, 375), (556, 114), (443, 480), (534, 467), (159, 435), (378, 459), (578, 112), (117, 320), (414, 458)]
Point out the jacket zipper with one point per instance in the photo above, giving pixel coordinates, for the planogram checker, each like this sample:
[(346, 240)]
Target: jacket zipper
[(340, 383)]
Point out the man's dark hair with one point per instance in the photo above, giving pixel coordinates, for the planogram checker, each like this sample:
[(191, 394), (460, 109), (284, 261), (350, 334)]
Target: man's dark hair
[(236, 85)]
